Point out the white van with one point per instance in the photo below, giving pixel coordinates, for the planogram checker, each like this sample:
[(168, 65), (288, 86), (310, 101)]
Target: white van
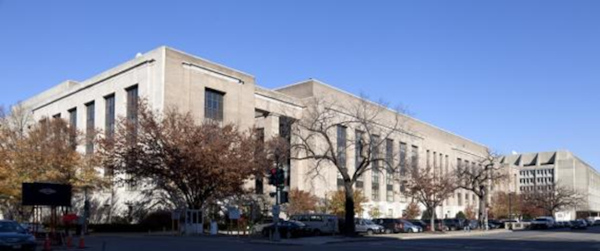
[(319, 223)]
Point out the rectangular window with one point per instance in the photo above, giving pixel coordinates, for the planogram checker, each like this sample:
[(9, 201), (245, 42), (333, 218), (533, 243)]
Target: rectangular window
[(389, 159), (90, 125), (414, 157), (375, 191), (403, 158), (428, 158), (73, 127), (341, 152), (441, 163), (375, 167), (459, 196), (258, 182), (403, 186), (390, 196), (358, 149), (447, 165), (132, 107), (285, 132), (213, 104), (467, 198), (459, 164), (434, 156), (109, 116)]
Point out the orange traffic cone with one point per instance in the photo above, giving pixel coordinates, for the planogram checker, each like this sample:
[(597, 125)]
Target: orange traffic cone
[(47, 243), (81, 242)]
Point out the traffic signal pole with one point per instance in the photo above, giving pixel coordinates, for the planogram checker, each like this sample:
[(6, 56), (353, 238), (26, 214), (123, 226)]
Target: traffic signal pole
[(276, 211)]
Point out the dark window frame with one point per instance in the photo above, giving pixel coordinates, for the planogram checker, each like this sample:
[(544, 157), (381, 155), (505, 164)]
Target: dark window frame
[(90, 126), (213, 104)]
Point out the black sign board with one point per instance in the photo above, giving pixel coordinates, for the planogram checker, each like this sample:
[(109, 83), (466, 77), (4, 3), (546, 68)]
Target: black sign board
[(46, 194)]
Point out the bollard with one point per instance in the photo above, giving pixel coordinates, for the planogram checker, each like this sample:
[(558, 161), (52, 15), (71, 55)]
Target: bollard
[(81, 242), (47, 243)]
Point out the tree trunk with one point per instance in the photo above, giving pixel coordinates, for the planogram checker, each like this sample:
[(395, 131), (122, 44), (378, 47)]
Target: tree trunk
[(483, 211), (432, 220), (349, 228)]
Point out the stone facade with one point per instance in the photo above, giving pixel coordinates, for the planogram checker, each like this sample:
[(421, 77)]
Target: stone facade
[(531, 171), (171, 79)]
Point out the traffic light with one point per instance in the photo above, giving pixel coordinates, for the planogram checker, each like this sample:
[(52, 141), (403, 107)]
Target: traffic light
[(273, 176), (280, 177)]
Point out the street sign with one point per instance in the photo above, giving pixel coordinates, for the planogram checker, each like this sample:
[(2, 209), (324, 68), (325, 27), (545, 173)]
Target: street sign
[(234, 213), (46, 194)]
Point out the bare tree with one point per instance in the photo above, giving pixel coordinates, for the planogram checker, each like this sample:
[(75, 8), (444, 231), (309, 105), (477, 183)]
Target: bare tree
[(321, 136), (478, 177), (429, 189), (553, 198)]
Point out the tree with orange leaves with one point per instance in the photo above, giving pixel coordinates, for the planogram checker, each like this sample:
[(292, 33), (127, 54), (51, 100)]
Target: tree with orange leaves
[(194, 163)]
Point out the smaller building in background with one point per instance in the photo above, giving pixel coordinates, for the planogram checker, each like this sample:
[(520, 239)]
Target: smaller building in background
[(542, 170)]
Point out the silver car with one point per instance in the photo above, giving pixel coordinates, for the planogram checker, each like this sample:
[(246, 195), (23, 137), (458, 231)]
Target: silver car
[(367, 226)]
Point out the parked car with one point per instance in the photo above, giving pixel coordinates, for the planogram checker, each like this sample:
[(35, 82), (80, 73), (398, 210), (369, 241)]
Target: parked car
[(390, 225), (367, 226), (568, 224), (34, 227), (495, 224), (258, 228), (597, 223), (319, 223), (439, 225), (397, 226), (473, 224), (15, 237), (579, 224), (542, 223), (287, 229), (453, 224), (409, 227), (419, 223)]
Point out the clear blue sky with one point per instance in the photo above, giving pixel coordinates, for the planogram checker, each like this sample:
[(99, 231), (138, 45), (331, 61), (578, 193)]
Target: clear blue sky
[(514, 75)]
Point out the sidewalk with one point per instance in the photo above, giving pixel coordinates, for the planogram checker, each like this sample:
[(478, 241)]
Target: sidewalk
[(436, 235), (325, 240)]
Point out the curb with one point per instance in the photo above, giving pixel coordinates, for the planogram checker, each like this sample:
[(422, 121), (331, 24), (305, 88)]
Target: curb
[(328, 242), (434, 236)]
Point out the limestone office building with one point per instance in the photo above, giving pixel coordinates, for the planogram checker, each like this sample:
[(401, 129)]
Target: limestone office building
[(166, 77)]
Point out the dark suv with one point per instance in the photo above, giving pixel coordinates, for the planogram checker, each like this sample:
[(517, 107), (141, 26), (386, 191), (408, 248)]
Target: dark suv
[(453, 224)]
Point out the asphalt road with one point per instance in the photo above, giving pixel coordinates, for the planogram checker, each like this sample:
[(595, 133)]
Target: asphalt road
[(519, 241)]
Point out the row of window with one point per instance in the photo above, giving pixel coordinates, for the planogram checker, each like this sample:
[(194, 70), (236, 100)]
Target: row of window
[(539, 188), (213, 109), (539, 172), (109, 126), (440, 161), (474, 199), (526, 181)]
